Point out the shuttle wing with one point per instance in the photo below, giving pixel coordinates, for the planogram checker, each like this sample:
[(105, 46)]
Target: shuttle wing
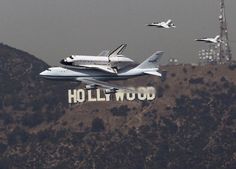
[(105, 68)]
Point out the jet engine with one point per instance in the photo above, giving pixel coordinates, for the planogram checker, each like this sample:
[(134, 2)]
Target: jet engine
[(110, 91), (90, 87)]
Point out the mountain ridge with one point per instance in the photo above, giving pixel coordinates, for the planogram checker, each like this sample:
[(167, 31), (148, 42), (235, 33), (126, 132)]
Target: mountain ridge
[(191, 124)]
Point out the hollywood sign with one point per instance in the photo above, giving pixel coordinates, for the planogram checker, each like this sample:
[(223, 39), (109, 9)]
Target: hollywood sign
[(98, 95)]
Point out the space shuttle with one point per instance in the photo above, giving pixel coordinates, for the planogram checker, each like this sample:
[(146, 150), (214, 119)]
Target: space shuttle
[(106, 60)]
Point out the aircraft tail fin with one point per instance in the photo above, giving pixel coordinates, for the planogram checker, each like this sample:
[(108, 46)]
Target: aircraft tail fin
[(217, 37), (169, 21), (151, 62), (118, 50)]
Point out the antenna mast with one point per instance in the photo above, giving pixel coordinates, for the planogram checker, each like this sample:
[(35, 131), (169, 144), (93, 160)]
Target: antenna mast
[(225, 55)]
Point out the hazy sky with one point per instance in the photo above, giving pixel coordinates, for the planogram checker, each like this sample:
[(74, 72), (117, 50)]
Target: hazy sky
[(54, 29)]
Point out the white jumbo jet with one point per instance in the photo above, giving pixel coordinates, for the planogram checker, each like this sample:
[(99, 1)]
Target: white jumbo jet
[(106, 60), (168, 24), (210, 40), (95, 78)]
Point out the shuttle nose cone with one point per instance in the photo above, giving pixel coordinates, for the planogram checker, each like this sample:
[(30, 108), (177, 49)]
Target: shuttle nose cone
[(63, 62)]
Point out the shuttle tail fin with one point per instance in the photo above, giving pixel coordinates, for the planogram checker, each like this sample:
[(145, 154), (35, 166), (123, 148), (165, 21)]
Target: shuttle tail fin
[(118, 50)]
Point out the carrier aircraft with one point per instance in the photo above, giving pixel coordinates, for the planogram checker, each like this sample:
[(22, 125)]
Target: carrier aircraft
[(96, 78)]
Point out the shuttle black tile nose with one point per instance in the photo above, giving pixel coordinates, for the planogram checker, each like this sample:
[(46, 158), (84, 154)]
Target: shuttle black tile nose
[(63, 62)]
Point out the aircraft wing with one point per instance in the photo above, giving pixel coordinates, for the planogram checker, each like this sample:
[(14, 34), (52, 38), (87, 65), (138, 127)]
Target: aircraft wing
[(200, 40), (105, 68), (165, 26), (103, 84)]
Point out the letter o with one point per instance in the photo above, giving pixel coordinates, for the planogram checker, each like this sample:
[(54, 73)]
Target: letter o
[(80, 95), (142, 93)]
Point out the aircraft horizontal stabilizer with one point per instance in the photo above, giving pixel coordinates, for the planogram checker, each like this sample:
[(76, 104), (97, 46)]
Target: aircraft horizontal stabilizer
[(154, 73)]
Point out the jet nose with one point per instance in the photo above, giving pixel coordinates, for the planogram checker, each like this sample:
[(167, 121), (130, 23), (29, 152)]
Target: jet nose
[(42, 73)]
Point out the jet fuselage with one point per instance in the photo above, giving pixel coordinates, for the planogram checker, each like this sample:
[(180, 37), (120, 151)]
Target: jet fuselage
[(60, 73)]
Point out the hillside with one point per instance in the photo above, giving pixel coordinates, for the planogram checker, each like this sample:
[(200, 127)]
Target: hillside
[(192, 123), (25, 98)]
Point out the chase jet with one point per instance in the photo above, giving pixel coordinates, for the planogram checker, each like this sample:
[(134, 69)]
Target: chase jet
[(210, 40), (106, 60), (168, 24), (96, 78)]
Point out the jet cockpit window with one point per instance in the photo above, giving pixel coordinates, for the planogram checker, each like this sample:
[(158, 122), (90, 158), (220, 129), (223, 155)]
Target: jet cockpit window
[(71, 57)]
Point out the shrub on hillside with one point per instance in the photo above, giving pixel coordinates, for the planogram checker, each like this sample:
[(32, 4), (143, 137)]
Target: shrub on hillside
[(97, 125), (121, 111), (32, 120)]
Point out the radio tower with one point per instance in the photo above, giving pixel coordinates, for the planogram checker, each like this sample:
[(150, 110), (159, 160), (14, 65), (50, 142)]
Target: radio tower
[(225, 54)]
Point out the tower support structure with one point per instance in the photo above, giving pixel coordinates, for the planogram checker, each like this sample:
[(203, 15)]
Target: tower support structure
[(225, 55)]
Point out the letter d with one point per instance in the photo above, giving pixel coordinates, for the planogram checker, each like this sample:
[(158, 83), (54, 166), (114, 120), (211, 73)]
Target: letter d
[(151, 93)]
